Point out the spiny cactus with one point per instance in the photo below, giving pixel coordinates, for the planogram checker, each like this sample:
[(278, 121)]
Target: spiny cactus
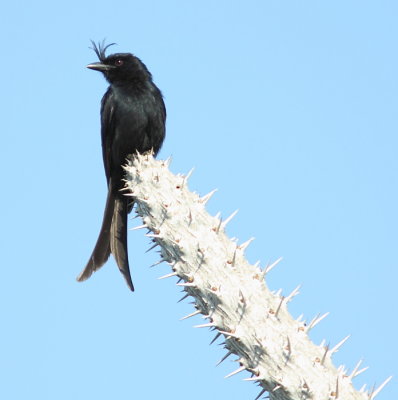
[(232, 294)]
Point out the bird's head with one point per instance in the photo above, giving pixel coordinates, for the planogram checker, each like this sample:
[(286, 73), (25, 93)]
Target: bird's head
[(119, 67)]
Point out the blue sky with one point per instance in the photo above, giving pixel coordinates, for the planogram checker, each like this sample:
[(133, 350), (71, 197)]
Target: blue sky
[(288, 108)]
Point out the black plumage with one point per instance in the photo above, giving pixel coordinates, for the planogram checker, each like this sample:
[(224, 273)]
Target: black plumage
[(133, 118)]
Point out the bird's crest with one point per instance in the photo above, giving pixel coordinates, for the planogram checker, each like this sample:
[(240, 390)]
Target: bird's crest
[(100, 49)]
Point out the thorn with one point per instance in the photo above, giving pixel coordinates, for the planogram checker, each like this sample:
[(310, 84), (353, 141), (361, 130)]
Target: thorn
[(191, 315), (183, 298), (279, 306), (253, 378), (273, 265), (243, 246), (208, 325), (219, 226), (229, 334), (379, 389), (125, 188), (234, 257), (187, 176), (257, 264), (207, 197), (138, 227), (153, 236), (354, 371), (224, 224), (167, 162), (168, 275), (360, 371), (363, 388), (240, 369), (338, 345), (295, 292), (324, 354), (370, 393), (310, 325), (261, 393), (224, 358), (215, 337), (277, 387), (316, 321), (157, 263), (340, 369), (186, 284), (152, 247)]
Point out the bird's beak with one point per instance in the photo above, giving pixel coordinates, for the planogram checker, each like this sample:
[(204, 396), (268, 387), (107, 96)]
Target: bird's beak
[(98, 66)]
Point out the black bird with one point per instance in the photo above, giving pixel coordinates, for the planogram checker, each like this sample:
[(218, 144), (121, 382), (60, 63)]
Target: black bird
[(133, 118)]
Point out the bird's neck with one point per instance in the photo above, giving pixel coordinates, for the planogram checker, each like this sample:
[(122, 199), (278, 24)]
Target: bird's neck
[(134, 86)]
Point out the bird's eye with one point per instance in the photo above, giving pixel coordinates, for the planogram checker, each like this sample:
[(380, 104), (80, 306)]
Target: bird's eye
[(118, 62)]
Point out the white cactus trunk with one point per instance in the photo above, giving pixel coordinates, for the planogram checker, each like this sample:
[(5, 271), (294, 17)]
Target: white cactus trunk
[(232, 293)]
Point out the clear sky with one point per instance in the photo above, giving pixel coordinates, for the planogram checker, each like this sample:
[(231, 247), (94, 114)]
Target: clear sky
[(288, 108)]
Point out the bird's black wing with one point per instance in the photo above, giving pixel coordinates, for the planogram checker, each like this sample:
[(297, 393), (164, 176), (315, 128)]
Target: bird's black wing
[(107, 129)]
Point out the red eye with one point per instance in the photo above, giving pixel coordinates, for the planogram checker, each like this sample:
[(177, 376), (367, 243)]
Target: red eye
[(118, 62)]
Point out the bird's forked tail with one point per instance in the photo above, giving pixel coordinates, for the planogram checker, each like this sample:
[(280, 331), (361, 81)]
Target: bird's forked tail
[(112, 239)]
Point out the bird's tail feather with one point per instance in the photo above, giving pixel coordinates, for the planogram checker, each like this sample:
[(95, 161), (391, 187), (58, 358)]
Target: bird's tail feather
[(112, 239), (118, 238), (102, 248)]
